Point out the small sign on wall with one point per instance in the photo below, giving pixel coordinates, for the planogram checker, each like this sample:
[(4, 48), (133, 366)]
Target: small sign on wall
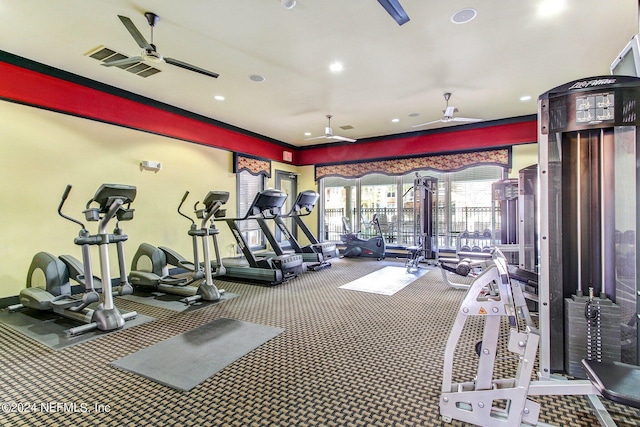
[(287, 156)]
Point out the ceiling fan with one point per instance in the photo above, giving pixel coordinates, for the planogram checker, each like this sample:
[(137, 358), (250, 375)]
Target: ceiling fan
[(394, 8), (448, 115), (149, 52), (328, 133)]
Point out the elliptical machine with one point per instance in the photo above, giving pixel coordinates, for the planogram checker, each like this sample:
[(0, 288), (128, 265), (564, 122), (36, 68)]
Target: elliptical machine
[(197, 283), (374, 247), (57, 296)]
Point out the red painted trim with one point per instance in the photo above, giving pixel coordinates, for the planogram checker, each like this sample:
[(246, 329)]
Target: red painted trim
[(37, 89), (442, 142), (32, 88)]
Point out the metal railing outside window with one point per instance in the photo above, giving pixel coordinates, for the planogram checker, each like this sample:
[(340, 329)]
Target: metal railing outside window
[(468, 218)]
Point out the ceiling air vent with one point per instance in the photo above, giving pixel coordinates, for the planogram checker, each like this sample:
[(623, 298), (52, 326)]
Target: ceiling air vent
[(346, 127), (102, 53)]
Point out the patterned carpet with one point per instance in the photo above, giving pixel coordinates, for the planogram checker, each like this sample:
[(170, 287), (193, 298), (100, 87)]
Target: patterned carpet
[(346, 358)]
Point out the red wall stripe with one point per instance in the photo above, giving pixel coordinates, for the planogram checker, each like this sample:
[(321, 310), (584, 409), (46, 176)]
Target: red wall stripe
[(37, 89), (441, 142), (41, 90)]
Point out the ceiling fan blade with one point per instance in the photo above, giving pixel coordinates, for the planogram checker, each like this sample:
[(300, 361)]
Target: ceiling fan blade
[(342, 138), (428, 123), (139, 38), (316, 137), (121, 62), (464, 119), (396, 11), (190, 67)]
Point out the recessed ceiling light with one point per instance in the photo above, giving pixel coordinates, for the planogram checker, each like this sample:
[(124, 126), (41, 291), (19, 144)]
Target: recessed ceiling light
[(525, 98), (395, 120), (219, 98), (336, 67), (256, 78), (288, 4), (307, 134), (551, 7), (463, 16)]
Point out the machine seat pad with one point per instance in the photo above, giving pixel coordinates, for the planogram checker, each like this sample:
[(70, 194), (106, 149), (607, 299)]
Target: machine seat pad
[(616, 381)]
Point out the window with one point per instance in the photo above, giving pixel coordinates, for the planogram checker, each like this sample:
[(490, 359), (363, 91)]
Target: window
[(464, 203), (248, 186), (378, 197), (469, 206), (339, 202)]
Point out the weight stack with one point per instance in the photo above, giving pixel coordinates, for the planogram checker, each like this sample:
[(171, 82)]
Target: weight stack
[(575, 324)]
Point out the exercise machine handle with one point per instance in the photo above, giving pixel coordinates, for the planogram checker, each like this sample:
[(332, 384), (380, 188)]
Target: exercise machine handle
[(113, 210), (66, 192), (186, 194), (64, 199)]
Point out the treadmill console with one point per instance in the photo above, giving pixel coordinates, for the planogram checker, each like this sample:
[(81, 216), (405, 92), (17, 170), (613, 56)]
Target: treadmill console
[(305, 200), (270, 201)]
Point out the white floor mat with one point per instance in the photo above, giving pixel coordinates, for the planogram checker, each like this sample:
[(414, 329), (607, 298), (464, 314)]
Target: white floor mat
[(386, 281)]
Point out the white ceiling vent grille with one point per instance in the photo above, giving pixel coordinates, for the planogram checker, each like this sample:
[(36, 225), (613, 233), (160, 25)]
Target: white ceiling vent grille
[(102, 53)]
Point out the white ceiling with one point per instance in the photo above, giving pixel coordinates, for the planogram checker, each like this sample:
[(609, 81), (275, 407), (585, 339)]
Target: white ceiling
[(509, 50)]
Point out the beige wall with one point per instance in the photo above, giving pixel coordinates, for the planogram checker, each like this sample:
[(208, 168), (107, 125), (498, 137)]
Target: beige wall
[(523, 155), (43, 151)]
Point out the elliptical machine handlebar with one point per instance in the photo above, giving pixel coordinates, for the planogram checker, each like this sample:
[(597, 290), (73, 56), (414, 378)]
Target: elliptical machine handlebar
[(184, 198), (113, 210), (62, 201), (205, 214)]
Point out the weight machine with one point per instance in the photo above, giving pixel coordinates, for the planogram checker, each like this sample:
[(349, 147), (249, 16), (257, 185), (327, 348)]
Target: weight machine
[(425, 223), (589, 181)]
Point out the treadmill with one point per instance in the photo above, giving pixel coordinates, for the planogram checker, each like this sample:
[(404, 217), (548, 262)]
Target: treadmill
[(268, 269), (303, 206), (311, 254)]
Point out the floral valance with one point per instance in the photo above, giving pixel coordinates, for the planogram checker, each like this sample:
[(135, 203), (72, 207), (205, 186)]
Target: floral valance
[(253, 165), (402, 166)]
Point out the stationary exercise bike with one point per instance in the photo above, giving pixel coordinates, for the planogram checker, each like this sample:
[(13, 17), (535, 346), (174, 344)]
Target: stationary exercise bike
[(57, 295), (197, 282), (374, 247)]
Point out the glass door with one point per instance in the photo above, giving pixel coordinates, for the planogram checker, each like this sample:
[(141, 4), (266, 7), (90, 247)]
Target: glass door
[(288, 183), (339, 207)]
